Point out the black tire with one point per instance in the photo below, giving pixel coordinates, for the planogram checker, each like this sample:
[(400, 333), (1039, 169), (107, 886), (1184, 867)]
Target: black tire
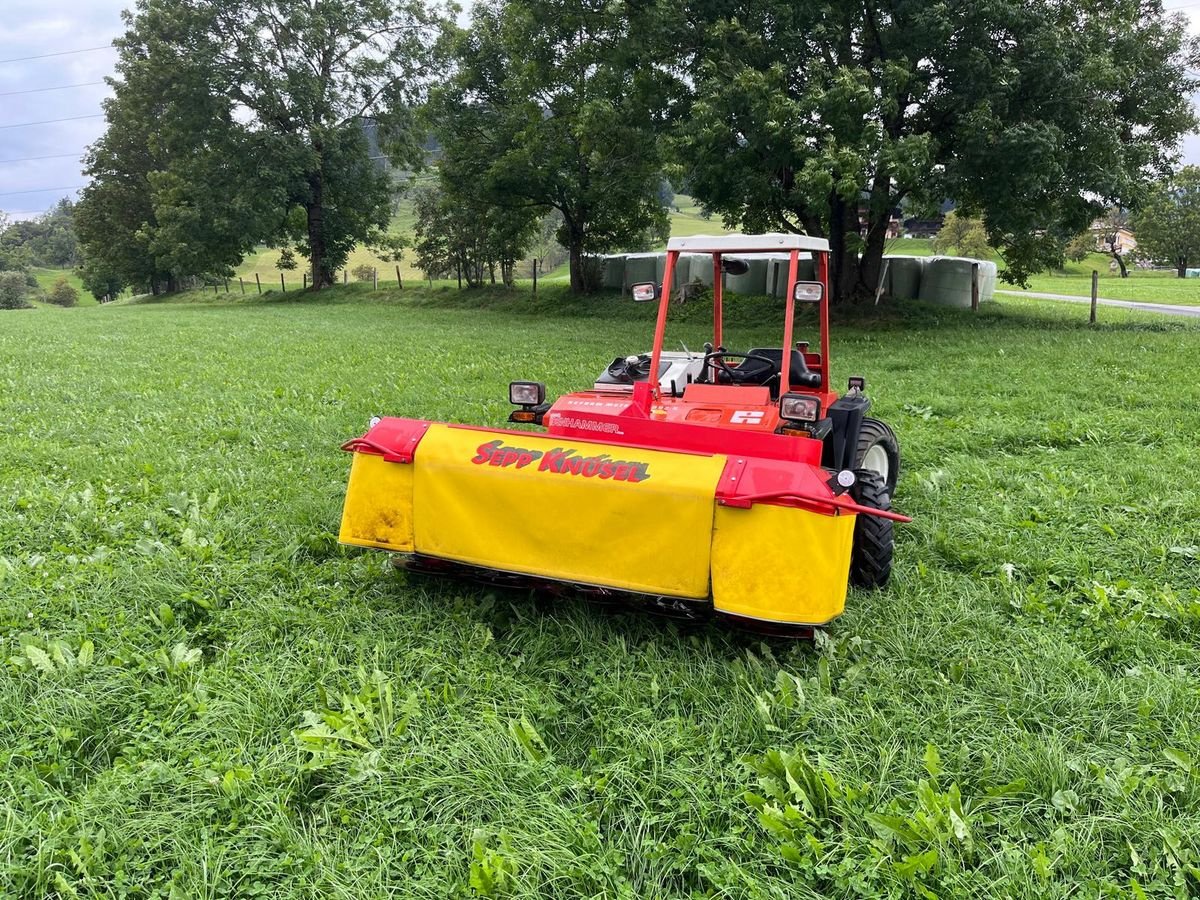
[(877, 435), (874, 539)]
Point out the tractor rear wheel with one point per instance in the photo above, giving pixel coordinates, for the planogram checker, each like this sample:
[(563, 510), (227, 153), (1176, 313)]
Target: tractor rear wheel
[(874, 539), (879, 451)]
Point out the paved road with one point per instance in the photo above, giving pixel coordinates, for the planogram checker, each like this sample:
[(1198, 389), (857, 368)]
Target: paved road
[(1165, 308)]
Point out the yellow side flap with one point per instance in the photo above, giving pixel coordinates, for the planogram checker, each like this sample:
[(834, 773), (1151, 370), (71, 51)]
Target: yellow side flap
[(781, 564), (379, 505), (600, 514)]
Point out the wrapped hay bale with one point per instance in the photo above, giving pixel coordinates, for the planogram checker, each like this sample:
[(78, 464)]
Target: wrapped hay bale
[(946, 280), (754, 282), (614, 272), (700, 268), (902, 281), (640, 268), (777, 272)]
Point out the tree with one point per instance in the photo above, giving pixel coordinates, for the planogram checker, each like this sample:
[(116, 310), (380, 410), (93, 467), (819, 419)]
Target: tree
[(174, 192), (311, 74), (1109, 235), (964, 235), (13, 289), (553, 107), (822, 117), (458, 235), (229, 115), (1168, 225), (62, 294), (1080, 246), (49, 240)]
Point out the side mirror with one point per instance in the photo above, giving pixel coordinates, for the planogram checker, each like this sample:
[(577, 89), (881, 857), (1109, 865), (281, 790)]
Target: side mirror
[(645, 293), (734, 266), (808, 292)]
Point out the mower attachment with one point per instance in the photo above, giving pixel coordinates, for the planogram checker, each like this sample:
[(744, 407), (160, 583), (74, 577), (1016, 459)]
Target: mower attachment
[(586, 512)]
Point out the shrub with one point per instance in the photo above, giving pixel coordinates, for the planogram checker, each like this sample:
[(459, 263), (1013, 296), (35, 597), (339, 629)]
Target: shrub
[(13, 290), (363, 273), (62, 294)]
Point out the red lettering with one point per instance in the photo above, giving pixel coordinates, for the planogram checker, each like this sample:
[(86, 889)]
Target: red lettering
[(484, 452), (638, 472)]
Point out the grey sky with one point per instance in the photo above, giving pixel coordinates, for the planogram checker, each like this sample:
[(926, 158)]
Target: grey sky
[(37, 27)]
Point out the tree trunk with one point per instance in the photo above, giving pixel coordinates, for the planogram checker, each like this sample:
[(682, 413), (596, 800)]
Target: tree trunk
[(1112, 251), (578, 279), (316, 232), (1181, 266)]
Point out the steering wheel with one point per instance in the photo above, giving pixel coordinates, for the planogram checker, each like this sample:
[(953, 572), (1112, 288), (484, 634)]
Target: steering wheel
[(630, 368), (717, 361)]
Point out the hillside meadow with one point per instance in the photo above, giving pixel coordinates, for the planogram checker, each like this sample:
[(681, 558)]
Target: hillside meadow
[(204, 695)]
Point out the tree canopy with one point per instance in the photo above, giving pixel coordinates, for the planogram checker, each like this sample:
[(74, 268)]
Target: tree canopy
[(553, 107), (1168, 225), (229, 116), (823, 117)]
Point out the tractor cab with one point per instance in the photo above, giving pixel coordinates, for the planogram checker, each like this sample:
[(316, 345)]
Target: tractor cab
[(760, 398)]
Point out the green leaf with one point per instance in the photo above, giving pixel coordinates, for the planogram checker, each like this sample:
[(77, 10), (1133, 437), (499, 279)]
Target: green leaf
[(529, 740), (1066, 801), (933, 760), (893, 828), (39, 658), (1181, 759)]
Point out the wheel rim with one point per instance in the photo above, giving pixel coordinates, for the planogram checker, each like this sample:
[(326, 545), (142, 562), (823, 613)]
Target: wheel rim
[(876, 459)]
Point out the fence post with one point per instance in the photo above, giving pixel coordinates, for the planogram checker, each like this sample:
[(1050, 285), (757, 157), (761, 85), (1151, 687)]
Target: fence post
[(399, 283), (282, 284), (305, 281), (535, 268), (345, 276), (1095, 292), (374, 278), (258, 282), (974, 287), (242, 283)]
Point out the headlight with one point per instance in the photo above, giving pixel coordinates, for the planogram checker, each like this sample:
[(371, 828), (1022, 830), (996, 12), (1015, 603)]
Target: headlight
[(526, 393), (808, 292), (644, 293), (799, 407)]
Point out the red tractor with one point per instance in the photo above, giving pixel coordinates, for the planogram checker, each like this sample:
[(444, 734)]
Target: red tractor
[(729, 482)]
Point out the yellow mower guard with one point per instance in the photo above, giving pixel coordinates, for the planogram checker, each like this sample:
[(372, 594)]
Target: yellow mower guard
[(597, 514)]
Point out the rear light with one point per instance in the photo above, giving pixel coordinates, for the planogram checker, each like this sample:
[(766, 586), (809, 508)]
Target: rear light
[(526, 393), (799, 408), (525, 417)]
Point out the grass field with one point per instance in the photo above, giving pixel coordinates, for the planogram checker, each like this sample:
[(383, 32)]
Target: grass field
[(205, 696)]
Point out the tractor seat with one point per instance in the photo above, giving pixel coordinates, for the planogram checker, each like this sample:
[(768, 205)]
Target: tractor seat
[(800, 374)]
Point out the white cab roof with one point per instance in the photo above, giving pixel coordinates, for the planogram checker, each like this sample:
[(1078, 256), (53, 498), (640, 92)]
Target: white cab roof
[(746, 243)]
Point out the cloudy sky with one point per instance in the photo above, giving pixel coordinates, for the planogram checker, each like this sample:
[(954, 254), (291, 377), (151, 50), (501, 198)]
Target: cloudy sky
[(39, 162)]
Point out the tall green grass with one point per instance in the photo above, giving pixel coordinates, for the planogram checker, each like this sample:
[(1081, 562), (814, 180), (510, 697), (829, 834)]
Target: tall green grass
[(205, 696)]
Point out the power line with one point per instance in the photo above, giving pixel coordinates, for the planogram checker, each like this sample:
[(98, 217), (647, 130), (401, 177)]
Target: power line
[(61, 87), (73, 187), (52, 121), (59, 53), (78, 155)]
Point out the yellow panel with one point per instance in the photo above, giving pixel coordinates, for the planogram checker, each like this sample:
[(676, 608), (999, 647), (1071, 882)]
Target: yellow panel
[(781, 564), (602, 514), (379, 505)]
